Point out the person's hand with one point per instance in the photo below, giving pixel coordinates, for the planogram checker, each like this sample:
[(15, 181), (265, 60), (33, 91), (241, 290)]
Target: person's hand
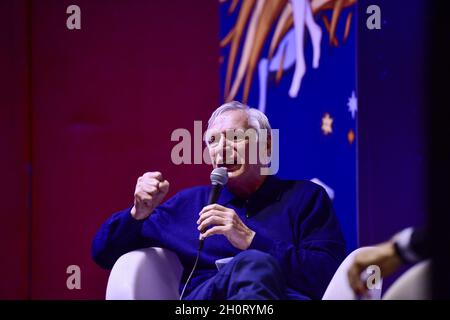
[(383, 255), (225, 221), (150, 190)]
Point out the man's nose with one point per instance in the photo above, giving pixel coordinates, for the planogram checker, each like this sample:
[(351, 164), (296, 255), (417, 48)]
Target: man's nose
[(223, 146), (223, 143)]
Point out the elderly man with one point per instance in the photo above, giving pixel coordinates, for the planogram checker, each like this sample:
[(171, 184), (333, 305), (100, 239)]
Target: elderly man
[(283, 235)]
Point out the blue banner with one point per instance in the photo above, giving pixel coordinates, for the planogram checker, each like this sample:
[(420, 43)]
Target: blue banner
[(296, 61)]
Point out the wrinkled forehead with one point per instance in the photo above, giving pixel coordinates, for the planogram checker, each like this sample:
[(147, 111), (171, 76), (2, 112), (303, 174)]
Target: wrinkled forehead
[(230, 120)]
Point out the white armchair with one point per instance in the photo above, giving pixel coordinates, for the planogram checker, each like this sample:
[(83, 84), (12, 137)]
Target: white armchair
[(414, 284), (145, 274), (155, 274), (339, 287)]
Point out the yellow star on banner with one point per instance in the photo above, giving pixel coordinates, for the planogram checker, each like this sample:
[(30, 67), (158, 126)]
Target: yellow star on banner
[(327, 124), (351, 136)]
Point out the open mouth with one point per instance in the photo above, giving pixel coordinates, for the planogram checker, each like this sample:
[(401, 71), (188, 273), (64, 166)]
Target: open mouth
[(231, 162), (229, 166)]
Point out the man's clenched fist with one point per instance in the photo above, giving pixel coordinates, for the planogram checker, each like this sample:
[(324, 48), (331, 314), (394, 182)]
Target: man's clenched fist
[(150, 190)]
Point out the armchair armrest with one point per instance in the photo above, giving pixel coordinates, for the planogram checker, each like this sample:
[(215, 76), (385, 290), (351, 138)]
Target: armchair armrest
[(339, 287), (151, 273)]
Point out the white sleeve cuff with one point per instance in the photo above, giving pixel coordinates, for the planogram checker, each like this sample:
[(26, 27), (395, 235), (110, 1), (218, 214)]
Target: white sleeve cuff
[(403, 242)]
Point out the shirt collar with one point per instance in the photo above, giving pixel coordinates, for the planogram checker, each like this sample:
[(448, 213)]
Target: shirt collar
[(269, 191)]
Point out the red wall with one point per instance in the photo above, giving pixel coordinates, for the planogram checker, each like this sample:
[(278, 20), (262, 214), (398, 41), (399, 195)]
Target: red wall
[(104, 102), (14, 151)]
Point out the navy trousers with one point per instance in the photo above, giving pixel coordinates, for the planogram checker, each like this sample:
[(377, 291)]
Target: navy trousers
[(250, 275)]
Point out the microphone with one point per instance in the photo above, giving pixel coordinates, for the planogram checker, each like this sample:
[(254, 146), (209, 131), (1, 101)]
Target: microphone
[(219, 177)]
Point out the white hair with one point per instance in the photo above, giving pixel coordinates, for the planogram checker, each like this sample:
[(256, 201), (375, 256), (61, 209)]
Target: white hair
[(256, 119)]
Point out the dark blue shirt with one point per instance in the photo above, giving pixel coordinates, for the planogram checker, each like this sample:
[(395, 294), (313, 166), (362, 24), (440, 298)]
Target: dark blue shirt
[(294, 221)]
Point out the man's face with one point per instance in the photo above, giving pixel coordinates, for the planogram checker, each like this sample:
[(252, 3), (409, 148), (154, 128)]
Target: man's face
[(228, 146)]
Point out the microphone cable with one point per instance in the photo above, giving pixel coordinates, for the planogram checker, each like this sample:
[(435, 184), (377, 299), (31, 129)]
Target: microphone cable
[(219, 178), (199, 248)]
